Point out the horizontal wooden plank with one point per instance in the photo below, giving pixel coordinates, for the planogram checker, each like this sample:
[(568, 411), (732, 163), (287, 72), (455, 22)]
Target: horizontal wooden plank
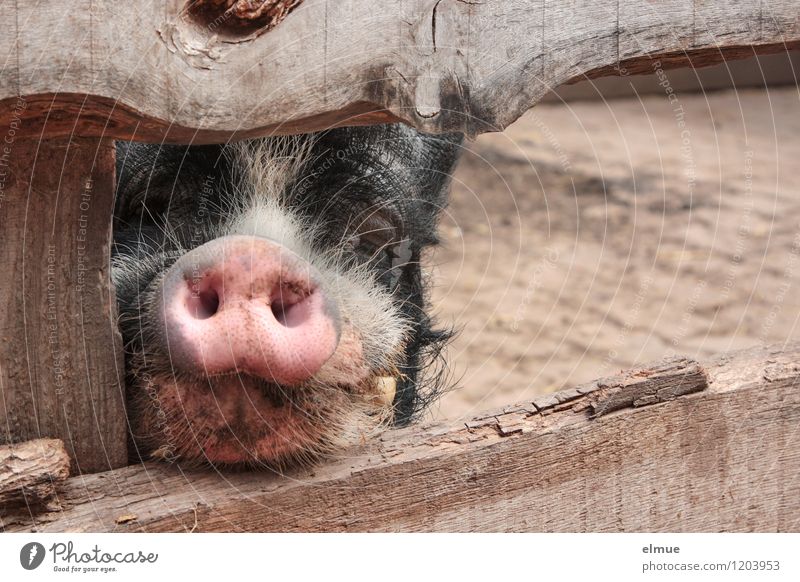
[(224, 69), (716, 451)]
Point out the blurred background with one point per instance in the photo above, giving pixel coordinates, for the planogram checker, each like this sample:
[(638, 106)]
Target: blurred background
[(612, 225)]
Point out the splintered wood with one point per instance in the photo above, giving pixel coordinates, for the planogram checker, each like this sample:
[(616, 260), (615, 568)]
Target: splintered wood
[(676, 446), (31, 472), (660, 383)]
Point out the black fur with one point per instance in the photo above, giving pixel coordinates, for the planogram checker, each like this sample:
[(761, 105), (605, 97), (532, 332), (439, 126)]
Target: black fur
[(351, 173)]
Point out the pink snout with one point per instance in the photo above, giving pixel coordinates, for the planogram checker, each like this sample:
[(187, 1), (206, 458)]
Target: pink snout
[(247, 304)]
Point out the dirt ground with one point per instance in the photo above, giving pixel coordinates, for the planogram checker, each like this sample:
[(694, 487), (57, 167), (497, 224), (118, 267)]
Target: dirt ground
[(590, 236)]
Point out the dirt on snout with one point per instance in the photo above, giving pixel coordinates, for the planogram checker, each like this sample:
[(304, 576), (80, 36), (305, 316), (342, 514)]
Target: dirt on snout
[(592, 236)]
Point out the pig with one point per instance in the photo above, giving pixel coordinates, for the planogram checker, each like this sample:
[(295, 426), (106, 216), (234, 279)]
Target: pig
[(271, 296)]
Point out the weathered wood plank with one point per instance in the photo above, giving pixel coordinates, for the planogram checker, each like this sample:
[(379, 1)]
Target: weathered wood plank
[(60, 364), (156, 71), (31, 472), (722, 459)]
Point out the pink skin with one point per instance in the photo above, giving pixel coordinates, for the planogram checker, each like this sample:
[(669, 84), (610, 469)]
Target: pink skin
[(249, 305), (230, 420), (242, 304)]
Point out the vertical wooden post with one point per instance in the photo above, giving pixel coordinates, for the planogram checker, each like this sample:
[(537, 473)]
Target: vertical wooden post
[(61, 370)]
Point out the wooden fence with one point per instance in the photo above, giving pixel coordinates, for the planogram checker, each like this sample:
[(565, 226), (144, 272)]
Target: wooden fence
[(79, 73), (677, 446)]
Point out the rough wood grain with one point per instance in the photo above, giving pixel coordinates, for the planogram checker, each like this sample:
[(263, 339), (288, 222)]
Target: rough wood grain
[(203, 71), (723, 459), (60, 365), (31, 472), (665, 381)]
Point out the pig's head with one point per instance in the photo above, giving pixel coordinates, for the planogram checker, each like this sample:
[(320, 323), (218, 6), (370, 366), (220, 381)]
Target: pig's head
[(271, 297)]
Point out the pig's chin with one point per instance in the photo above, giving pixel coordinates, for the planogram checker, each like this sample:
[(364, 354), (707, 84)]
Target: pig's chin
[(246, 421)]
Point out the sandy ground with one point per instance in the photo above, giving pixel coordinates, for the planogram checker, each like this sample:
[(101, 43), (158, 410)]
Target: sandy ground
[(591, 236)]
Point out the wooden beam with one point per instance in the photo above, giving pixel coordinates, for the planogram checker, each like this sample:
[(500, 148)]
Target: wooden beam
[(61, 371), (678, 446), (203, 74), (30, 474)]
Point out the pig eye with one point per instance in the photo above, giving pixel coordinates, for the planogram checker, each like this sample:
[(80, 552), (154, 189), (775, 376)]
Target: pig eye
[(375, 236), (380, 241), (148, 205), (155, 206)]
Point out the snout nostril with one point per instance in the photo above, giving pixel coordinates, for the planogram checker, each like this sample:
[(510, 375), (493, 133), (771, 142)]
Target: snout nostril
[(209, 304), (246, 305), (291, 311), (203, 301)]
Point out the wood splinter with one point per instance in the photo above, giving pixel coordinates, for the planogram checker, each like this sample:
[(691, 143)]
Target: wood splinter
[(664, 381), (31, 472)]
